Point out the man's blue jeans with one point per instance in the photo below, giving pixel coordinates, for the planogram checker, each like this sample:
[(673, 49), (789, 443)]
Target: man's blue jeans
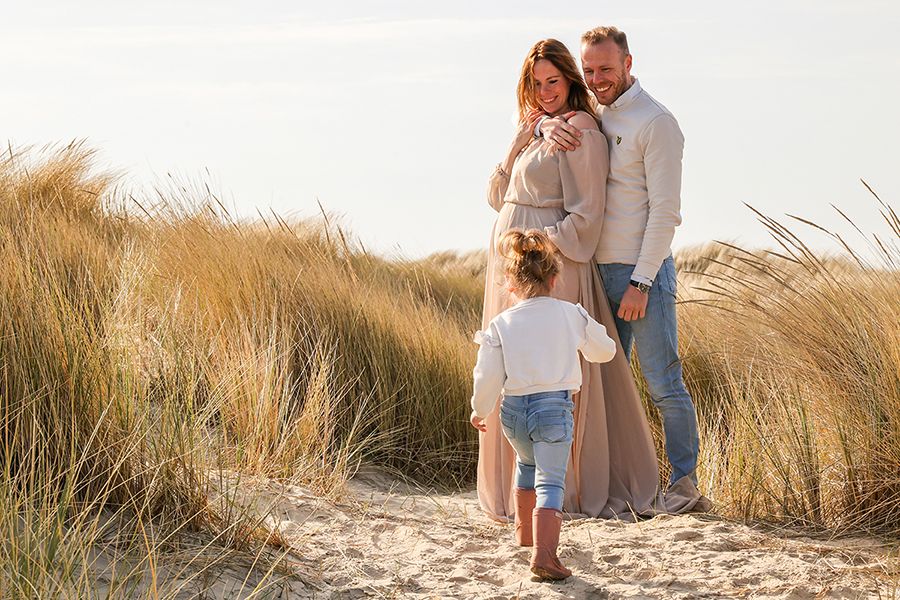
[(656, 338), (539, 428)]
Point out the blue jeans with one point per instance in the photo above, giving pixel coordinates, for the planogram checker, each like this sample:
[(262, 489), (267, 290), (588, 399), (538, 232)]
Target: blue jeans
[(539, 428), (656, 338)]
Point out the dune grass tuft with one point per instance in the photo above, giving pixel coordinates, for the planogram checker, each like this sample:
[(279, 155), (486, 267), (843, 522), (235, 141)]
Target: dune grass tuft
[(153, 348)]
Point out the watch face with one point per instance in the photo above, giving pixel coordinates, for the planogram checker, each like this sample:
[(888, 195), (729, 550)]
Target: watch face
[(642, 287)]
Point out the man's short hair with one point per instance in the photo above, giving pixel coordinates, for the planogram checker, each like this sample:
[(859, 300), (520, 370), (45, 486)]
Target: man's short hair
[(600, 34)]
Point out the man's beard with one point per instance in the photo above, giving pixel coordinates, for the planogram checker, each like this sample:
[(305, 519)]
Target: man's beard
[(619, 87)]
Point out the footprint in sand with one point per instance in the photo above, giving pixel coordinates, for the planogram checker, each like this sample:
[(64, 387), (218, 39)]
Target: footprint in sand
[(724, 545), (579, 557), (610, 559), (746, 581), (686, 535)]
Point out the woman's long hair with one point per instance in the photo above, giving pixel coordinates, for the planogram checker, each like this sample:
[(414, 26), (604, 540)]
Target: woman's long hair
[(557, 53)]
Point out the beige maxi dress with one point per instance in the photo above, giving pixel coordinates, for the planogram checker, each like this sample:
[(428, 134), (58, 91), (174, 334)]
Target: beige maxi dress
[(612, 470)]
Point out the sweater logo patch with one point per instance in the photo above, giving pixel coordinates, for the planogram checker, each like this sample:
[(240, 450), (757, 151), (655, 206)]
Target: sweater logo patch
[(618, 140)]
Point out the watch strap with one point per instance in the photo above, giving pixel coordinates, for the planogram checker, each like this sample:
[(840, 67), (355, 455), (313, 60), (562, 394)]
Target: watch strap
[(643, 288)]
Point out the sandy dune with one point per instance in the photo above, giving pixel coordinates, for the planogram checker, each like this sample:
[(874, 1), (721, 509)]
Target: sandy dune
[(386, 542)]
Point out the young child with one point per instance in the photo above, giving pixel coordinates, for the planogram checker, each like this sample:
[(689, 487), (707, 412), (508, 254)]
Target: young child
[(530, 352)]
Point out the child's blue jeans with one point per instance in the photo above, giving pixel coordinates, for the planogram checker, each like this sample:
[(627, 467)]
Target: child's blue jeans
[(539, 428)]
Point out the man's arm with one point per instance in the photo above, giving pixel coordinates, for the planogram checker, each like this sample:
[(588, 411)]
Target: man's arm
[(663, 146), (663, 150)]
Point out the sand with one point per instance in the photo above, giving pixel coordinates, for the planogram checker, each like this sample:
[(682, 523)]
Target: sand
[(384, 540)]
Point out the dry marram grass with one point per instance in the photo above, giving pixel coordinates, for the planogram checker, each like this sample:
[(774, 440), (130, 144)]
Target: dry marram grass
[(155, 350)]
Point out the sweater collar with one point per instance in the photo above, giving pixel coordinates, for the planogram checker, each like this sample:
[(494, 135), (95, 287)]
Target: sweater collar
[(534, 300), (628, 97)]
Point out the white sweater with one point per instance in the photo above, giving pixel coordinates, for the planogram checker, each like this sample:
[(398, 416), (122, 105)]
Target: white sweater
[(643, 192), (533, 347)]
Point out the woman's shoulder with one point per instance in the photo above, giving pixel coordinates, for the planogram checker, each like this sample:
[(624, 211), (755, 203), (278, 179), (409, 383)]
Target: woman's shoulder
[(584, 120), (592, 139)]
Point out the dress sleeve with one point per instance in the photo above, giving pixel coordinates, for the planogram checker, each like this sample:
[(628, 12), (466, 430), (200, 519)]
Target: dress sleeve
[(497, 186), (583, 173), (489, 373), (597, 347)]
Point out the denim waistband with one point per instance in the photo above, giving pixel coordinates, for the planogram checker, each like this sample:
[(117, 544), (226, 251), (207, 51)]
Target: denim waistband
[(560, 394), (556, 399)]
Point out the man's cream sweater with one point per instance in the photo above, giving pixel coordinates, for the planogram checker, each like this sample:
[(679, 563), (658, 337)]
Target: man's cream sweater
[(643, 192)]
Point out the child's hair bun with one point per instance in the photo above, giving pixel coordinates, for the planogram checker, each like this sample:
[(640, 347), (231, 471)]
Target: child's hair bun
[(532, 260)]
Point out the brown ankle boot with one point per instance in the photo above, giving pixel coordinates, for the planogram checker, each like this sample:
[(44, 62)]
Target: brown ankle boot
[(544, 562), (525, 501)]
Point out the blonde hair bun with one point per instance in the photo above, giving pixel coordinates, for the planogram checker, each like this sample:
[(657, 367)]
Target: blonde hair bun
[(532, 260)]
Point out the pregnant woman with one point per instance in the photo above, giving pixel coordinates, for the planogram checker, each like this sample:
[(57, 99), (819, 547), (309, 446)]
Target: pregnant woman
[(613, 469)]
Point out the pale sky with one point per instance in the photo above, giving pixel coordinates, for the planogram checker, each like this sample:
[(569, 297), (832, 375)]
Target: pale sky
[(394, 113)]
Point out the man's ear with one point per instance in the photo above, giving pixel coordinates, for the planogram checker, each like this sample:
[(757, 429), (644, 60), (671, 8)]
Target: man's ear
[(628, 64)]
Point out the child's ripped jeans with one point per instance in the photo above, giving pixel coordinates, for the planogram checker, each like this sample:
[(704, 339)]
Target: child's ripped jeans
[(539, 428)]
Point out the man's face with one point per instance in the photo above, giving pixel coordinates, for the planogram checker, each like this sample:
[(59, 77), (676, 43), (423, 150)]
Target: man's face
[(607, 70)]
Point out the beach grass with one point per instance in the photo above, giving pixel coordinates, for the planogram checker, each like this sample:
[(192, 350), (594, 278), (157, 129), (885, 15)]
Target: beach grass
[(155, 350)]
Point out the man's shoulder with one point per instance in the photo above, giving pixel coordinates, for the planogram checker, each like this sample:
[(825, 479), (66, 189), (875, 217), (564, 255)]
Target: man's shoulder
[(655, 120), (650, 107)]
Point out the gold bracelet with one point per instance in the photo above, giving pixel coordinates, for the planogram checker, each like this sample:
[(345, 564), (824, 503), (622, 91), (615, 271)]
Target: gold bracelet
[(500, 171)]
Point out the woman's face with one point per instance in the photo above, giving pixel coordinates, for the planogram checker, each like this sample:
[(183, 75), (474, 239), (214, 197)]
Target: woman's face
[(551, 88)]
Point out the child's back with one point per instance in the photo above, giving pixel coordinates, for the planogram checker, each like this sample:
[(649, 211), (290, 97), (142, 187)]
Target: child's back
[(533, 347)]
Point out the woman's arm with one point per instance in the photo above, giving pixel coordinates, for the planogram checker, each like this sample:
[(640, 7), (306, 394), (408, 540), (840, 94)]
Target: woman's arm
[(498, 183), (499, 180), (583, 174)]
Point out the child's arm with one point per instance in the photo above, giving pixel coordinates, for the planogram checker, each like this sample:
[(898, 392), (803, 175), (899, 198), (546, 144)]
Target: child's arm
[(598, 347), (489, 376)]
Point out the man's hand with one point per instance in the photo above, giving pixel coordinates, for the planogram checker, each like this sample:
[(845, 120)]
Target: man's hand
[(633, 305), (558, 131), (478, 423)]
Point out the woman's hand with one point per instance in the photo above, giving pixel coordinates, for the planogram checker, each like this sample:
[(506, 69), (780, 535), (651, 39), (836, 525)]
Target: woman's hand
[(478, 423), (525, 131), (524, 136)]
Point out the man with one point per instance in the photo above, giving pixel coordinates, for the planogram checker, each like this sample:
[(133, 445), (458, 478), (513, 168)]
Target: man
[(643, 200)]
